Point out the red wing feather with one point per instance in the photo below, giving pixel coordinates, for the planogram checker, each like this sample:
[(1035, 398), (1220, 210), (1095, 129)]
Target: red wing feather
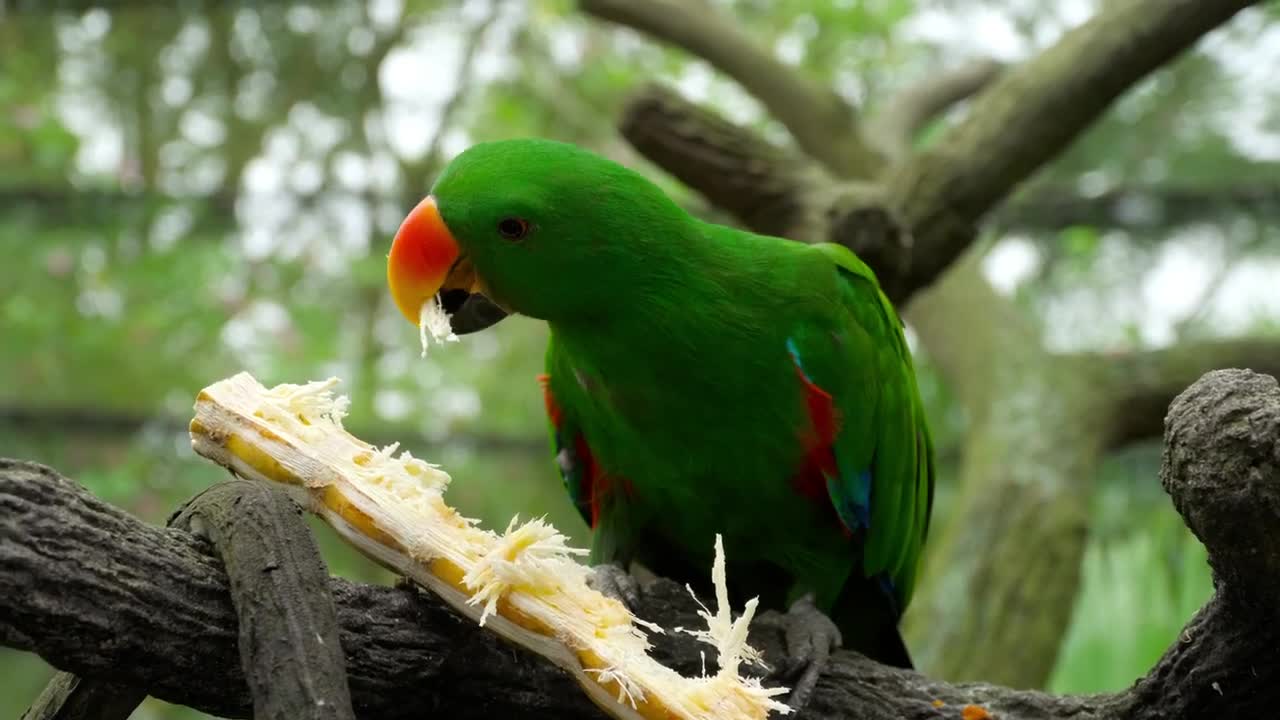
[(586, 482), (819, 441)]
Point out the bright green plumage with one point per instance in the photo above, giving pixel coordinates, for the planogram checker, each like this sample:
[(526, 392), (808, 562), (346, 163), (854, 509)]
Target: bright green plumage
[(707, 380)]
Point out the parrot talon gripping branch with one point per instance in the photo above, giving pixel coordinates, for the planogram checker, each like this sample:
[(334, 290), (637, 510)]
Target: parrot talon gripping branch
[(522, 583)]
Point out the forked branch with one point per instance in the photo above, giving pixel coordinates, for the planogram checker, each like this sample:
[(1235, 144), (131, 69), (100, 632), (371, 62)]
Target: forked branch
[(937, 197), (822, 123)]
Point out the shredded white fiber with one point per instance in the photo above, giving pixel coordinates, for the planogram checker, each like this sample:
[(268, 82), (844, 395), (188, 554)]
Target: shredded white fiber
[(434, 321), (525, 583), (533, 557), (312, 400), (728, 637)]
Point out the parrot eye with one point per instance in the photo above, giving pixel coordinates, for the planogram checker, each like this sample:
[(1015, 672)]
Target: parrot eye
[(513, 228)]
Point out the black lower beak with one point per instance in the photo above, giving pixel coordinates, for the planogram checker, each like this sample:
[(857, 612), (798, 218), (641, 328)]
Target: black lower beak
[(470, 312)]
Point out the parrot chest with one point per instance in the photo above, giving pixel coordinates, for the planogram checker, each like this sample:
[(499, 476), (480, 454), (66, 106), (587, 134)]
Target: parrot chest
[(695, 448)]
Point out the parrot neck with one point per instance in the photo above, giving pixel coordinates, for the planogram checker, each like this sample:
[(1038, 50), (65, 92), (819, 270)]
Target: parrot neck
[(712, 293)]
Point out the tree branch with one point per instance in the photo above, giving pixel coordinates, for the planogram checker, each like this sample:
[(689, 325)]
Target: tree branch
[(926, 213), (895, 127), (766, 187), (1031, 114), (1045, 209), (822, 123), (1054, 208), (1222, 469), (288, 632), (1141, 384), (70, 697), (94, 591)]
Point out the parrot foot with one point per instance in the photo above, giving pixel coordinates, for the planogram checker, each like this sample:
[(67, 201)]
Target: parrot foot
[(613, 580), (810, 637)]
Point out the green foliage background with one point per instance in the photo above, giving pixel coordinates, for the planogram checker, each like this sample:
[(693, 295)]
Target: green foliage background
[(186, 193)]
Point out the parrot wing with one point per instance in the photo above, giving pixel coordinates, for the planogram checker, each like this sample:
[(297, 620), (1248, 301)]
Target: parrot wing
[(872, 443), (577, 466)]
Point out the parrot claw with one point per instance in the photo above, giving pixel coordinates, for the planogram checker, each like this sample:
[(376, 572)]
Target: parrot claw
[(613, 580), (811, 637)]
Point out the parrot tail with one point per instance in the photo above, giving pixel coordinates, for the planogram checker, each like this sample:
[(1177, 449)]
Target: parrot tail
[(868, 622)]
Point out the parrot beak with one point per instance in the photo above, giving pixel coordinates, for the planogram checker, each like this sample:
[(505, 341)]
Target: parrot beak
[(426, 260)]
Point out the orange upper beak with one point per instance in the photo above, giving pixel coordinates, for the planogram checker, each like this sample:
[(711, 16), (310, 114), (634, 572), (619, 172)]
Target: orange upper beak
[(425, 259)]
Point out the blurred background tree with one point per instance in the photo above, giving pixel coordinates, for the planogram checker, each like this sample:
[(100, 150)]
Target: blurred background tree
[(196, 189)]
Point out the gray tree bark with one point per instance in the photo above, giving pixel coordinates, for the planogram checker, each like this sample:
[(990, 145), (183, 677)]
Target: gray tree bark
[(70, 697), (287, 630), (287, 627), (98, 593)]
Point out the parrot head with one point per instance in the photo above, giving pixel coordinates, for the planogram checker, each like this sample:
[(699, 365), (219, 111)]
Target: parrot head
[(536, 227)]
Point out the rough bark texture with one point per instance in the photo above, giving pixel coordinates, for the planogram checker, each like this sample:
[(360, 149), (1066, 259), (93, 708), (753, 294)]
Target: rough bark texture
[(1222, 451), (288, 632), (70, 697), (97, 592), (986, 608)]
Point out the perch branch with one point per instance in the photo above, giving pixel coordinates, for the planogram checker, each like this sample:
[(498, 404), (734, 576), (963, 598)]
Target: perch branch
[(1222, 469), (822, 123), (94, 591), (288, 633), (289, 646), (70, 697), (906, 114)]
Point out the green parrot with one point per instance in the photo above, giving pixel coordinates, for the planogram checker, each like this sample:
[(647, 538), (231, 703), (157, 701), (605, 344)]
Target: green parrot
[(700, 379)]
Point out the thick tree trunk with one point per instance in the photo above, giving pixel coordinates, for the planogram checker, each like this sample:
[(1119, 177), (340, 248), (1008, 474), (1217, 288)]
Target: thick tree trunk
[(997, 594), (1001, 574)]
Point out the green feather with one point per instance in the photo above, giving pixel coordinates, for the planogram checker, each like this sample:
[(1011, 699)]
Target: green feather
[(670, 356)]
